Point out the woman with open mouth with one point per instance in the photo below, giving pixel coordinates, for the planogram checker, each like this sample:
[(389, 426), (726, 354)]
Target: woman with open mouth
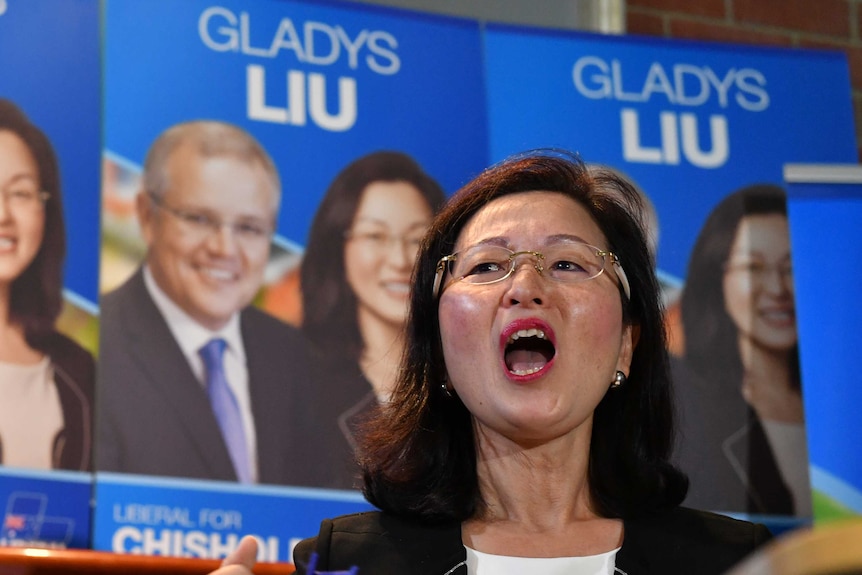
[(531, 425)]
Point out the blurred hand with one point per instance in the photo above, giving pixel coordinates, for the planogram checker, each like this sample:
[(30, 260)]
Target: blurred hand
[(241, 561)]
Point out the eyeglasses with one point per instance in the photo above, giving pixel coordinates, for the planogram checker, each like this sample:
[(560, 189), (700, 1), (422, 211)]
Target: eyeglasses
[(251, 232), (759, 270), (24, 198), (566, 263), (382, 240)]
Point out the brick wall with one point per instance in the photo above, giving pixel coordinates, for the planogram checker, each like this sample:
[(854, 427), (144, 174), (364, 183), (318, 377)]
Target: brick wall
[(830, 24)]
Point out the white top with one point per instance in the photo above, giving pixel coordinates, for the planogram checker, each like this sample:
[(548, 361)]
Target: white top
[(479, 563), (191, 337), (790, 447), (30, 414)]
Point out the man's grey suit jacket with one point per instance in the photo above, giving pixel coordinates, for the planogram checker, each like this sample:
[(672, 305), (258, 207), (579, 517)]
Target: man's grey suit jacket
[(154, 417)]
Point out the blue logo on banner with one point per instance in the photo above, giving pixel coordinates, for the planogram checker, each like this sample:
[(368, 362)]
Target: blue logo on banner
[(45, 509)]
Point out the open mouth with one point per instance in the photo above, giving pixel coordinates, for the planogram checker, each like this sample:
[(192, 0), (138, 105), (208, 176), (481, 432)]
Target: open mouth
[(528, 351)]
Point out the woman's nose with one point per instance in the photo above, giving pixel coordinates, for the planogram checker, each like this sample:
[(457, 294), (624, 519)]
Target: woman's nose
[(776, 281), (526, 285), (400, 254), (5, 208)]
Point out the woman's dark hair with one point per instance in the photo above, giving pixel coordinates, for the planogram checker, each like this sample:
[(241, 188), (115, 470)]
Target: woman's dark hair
[(418, 454), (329, 309), (36, 295), (711, 343)]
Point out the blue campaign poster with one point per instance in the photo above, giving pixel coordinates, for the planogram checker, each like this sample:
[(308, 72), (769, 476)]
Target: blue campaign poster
[(691, 125), (825, 203), (56, 82), (49, 57), (688, 122), (318, 84)]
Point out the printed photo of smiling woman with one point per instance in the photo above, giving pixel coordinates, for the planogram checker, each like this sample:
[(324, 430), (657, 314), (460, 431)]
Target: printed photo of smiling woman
[(47, 378), (355, 280), (742, 438)]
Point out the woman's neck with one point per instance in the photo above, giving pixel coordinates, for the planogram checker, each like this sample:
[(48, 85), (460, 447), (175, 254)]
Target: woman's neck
[(544, 479), (381, 353), (13, 345), (767, 383), (537, 502)]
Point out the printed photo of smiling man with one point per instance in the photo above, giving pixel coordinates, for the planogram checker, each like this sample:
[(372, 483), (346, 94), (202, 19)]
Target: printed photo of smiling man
[(192, 381)]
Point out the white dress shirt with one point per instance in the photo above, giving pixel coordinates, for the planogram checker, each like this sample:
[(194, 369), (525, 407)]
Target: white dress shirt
[(191, 337)]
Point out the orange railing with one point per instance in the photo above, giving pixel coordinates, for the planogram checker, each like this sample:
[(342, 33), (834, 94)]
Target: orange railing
[(26, 561)]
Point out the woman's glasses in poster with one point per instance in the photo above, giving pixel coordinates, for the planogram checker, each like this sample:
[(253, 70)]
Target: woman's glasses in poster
[(24, 197)]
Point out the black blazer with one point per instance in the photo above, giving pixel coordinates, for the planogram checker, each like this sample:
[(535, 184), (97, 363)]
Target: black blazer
[(680, 541), (154, 417), (342, 398), (723, 448)]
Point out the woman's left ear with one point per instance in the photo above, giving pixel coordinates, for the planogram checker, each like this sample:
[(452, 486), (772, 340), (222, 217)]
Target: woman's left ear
[(629, 341)]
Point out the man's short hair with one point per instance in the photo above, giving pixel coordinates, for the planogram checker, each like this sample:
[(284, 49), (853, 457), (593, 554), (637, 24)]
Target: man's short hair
[(209, 138)]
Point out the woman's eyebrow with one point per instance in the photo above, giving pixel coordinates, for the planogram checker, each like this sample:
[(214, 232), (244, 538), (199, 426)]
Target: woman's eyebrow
[(23, 176), (492, 241), (565, 238)]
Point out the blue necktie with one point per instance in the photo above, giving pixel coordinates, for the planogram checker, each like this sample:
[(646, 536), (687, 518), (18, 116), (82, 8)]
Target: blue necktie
[(225, 407)]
